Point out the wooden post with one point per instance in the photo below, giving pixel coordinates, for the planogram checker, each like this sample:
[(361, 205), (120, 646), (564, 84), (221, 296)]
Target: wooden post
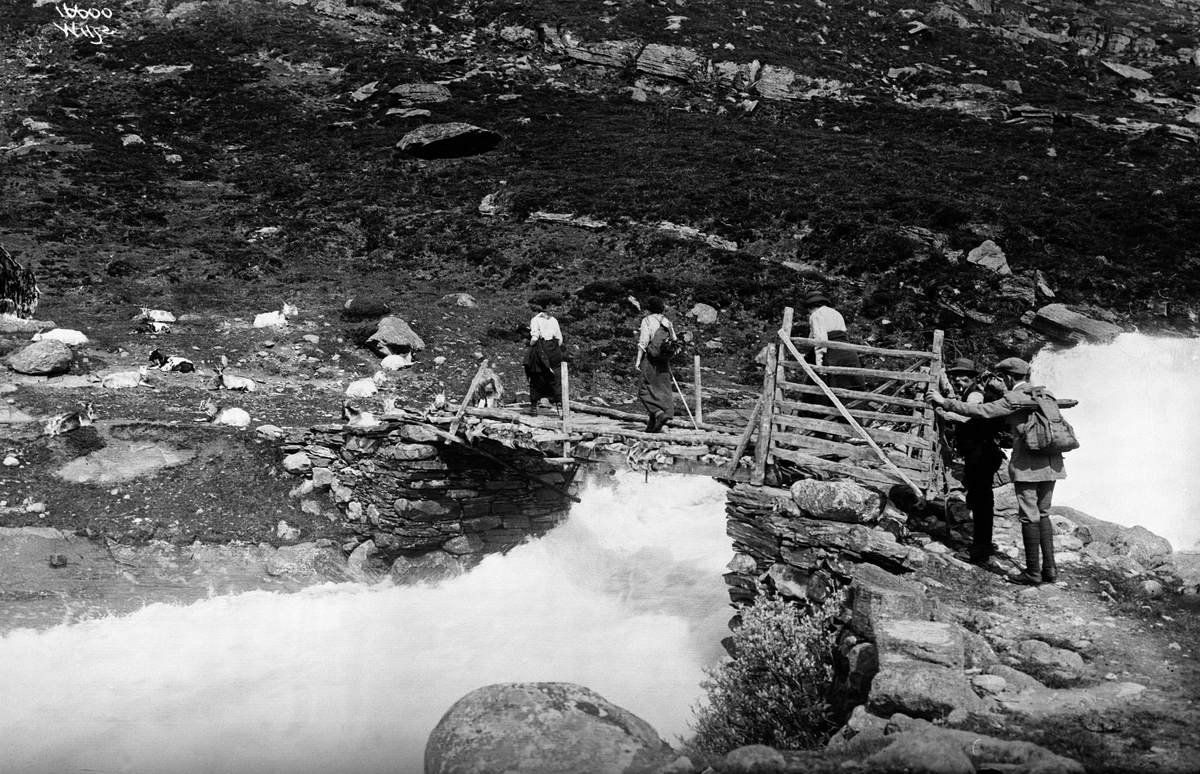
[(566, 409), (744, 441), (462, 407), (699, 402), (762, 446), (936, 467)]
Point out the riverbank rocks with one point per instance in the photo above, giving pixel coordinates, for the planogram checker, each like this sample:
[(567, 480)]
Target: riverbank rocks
[(1061, 324), (446, 141), (542, 728), (42, 358), (843, 501)]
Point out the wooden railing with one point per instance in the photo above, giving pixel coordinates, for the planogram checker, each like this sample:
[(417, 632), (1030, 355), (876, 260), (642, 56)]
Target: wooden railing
[(881, 435)]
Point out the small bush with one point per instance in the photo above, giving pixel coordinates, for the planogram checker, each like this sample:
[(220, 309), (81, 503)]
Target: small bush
[(775, 690)]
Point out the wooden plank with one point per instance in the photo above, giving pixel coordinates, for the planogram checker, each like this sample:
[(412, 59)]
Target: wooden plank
[(708, 439), (842, 429), (763, 447), (458, 415), (830, 411), (858, 473), (780, 439), (698, 389), (744, 441), (869, 397), (604, 411), (829, 393), (863, 348), (874, 373)]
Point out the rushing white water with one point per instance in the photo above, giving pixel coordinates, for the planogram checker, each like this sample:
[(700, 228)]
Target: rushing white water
[(1138, 423), (625, 598)]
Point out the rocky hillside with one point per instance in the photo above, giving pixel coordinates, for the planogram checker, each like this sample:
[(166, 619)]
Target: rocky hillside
[(219, 156)]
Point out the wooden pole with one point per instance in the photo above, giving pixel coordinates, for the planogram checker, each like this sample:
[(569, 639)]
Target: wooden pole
[(744, 441), (699, 417), (812, 375), (566, 409), (462, 407), (931, 432), (763, 446)]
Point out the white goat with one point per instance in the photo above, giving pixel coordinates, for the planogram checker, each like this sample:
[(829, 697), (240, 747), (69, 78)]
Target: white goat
[(65, 423), (365, 388), (277, 318), (124, 379), (157, 315), (229, 382), (396, 362), (356, 418), (67, 336), (232, 416)]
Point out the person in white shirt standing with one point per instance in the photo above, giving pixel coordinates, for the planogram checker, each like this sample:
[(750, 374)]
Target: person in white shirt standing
[(826, 323), (543, 358)]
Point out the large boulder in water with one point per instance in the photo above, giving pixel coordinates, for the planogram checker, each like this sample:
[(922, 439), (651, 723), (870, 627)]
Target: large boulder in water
[(542, 728), (42, 358)]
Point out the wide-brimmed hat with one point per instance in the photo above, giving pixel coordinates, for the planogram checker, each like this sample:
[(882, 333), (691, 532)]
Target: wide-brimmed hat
[(816, 297), (1012, 365), (962, 366)]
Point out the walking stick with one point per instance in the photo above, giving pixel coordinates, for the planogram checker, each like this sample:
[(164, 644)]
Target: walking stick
[(685, 403)]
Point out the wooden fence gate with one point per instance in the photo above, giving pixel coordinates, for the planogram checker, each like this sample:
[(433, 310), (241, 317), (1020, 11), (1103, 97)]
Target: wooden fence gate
[(882, 434)]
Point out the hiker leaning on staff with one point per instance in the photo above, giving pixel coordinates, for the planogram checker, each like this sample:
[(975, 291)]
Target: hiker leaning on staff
[(1033, 473), (655, 389)]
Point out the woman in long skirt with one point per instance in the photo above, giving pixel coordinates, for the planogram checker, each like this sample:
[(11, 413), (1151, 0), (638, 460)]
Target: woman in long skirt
[(655, 382), (543, 360)]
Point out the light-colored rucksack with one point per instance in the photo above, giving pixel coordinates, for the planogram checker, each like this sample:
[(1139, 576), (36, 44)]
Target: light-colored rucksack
[(1046, 432)]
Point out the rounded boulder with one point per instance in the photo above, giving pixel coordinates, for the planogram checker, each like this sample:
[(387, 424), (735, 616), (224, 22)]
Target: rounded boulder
[(542, 728), (42, 358)]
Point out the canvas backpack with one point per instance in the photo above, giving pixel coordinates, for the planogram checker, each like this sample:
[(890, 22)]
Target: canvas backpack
[(1046, 432), (661, 345)]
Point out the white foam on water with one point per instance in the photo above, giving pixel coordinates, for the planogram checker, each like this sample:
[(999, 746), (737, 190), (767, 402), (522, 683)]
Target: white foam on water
[(625, 598), (1138, 422)]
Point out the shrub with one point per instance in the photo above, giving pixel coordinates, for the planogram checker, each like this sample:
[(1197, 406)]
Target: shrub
[(776, 688)]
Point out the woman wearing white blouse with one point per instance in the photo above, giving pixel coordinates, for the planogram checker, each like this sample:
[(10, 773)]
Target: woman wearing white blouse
[(543, 358)]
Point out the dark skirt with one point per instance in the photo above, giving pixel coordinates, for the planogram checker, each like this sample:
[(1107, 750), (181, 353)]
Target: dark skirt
[(655, 387), (845, 359), (543, 362)]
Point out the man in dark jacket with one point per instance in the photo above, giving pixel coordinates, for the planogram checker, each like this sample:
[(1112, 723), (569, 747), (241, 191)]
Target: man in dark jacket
[(975, 440), (1033, 473)]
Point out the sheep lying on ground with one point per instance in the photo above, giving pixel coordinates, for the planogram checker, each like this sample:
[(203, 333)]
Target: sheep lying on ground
[(226, 381), (65, 423), (65, 335), (356, 418), (276, 318), (125, 379), (232, 416)]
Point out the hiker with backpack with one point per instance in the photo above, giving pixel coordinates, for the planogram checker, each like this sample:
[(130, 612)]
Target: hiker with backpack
[(1039, 438), (657, 343)]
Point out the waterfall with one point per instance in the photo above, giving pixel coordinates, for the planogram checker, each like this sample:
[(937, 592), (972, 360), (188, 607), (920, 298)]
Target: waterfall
[(626, 598), (1138, 423)]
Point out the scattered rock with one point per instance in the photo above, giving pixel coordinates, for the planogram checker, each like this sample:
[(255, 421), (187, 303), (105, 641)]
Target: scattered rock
[(297, 463), (42, 358), (393, 336), (542, 728), (842, 501), (1126, 71), (990, 256), (444, 141), (430, 567), (420, 93), (1058, 323), (58, 560), (922, 691), (703, 314), (285, 531)]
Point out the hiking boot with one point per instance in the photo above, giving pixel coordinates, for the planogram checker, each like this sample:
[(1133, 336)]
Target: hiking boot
[(1046, 535), (660, 422), (652, 421), (1031, 536)]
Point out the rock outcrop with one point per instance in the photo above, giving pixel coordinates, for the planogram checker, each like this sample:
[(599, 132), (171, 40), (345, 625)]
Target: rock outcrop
[(448, 141), (42, 358), (542, 728)]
